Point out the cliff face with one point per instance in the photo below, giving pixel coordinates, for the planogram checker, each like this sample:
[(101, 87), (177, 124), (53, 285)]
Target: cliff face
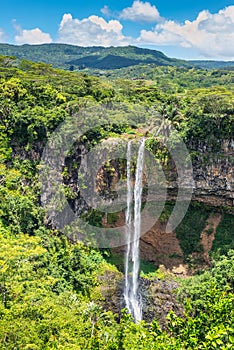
[(214, 175), (165, 248), (160, 247)]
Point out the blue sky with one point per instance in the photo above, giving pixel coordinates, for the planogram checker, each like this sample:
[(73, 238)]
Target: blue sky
[(186, 29)]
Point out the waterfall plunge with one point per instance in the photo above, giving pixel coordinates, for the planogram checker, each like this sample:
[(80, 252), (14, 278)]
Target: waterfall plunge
[(133, 230)]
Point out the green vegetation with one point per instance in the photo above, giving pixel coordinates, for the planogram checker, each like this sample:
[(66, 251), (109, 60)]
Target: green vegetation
[(44, 304), (147, 268), (170, 78), (224, 237), (51, 288), (189, 230), (75, 57), (209, 64)]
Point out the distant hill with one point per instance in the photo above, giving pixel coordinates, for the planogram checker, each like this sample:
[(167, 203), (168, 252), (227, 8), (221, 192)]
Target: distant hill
[(76, 57), (212, 64), (97, 57)]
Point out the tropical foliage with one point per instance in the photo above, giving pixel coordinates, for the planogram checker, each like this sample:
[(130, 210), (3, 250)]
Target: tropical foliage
[(50, 288)]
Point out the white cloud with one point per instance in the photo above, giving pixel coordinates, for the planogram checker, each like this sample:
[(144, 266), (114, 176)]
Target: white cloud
[(141, 12), (33, 36), (211, 34), (91, 31), (3, 36), (106, 11)]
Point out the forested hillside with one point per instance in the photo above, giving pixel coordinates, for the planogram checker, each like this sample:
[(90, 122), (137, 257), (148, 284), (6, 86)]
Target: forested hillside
[(76, 57), (72, 57), (58, 293), (212, 64)]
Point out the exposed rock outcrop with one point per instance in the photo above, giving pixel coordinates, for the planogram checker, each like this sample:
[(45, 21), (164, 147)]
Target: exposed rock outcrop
[(213, 175), (158, 296)]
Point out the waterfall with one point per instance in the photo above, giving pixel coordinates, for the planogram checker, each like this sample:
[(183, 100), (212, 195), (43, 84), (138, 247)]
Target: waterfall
[(133, 231)]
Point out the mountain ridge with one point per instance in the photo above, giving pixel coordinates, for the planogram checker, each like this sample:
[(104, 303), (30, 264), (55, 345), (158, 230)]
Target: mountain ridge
[(71, 57)]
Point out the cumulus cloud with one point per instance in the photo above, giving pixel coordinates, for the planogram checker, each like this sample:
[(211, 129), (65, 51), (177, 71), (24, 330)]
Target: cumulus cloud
[(33, 36), (91, 31), (211, 34), (140, 12)]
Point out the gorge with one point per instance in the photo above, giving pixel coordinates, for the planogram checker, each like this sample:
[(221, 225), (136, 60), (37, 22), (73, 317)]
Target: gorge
[(59, 292)]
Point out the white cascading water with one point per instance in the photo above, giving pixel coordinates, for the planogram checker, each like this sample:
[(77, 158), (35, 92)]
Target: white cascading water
[(133, 232)]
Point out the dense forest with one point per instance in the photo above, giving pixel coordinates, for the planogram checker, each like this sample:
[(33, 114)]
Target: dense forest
[(57, 293)]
